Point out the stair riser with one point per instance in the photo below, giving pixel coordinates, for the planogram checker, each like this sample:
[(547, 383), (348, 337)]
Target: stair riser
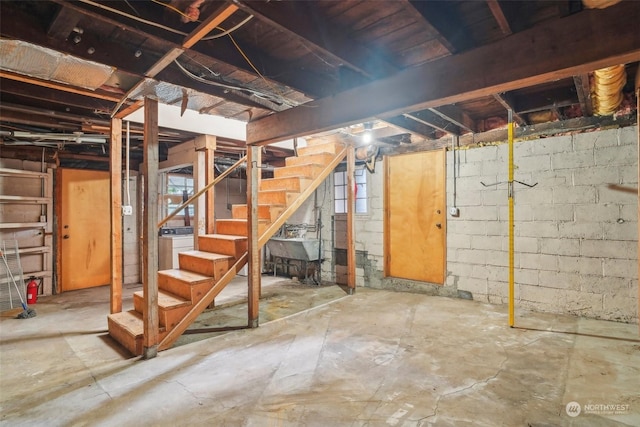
[(273, 197), (234, 248), (319, 159), (188, 291), (290, 183), (307, 171), (128, 341), (240, 212), (207, 267), (331, 148), (237, 228), (168, 317), (133, 343)]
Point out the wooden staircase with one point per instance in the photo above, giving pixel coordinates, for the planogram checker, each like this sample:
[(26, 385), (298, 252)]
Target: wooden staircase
[(185, 292)]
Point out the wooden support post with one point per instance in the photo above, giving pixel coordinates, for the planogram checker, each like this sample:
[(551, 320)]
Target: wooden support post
[(150, 229), (199, 215), (253, 172), (351, 208), (210, 195), (638, 141), (115, 169)]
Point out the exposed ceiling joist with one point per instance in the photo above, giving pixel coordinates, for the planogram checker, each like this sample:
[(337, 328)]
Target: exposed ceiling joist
[(499, 14), (59, 86), (63, 24), (412, 126), (328, 41), (584, 94), (438, 16), (209, 24), (553, 98), (456, 116), (505, 100), (589, 44), (430, 118)]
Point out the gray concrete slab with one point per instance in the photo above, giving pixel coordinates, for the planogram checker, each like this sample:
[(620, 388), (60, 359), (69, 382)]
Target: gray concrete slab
[(376, 358)]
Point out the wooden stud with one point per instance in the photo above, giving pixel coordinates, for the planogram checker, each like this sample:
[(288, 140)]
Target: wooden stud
[(210, 195), (115, 169), (150, 230), (200, 214), (533, 61), (351, 231), (253, 170), (584, 94)]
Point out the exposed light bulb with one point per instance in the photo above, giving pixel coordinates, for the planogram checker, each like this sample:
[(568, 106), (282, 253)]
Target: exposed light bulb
[(366, 137)]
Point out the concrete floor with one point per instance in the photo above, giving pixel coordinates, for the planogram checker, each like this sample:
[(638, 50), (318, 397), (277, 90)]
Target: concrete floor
[(376, 358)]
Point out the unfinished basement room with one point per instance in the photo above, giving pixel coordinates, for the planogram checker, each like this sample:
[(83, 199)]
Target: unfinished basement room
[(319, 213)]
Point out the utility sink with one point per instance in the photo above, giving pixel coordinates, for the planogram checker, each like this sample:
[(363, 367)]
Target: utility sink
[(294, 248)]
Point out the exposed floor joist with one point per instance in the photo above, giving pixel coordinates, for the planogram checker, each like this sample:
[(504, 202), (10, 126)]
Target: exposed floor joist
[(533, 62)]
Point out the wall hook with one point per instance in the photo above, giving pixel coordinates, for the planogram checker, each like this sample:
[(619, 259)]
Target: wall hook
[(255, 165)]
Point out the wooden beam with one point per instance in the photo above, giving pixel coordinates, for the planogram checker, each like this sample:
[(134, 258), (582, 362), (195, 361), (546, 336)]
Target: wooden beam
[(505, 100), (533, 60), (150, 230), (500, 17), (351, 228), (253, 171), (206, 26), (58, 86), (115, 170), (584, 94), (456, 116), (295, 19)]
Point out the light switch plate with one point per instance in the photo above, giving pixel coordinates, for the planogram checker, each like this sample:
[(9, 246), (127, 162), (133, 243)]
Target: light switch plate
[(127, 210)]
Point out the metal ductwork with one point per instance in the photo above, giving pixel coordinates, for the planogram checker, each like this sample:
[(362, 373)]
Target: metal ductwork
[(607, 89), (608, 82)]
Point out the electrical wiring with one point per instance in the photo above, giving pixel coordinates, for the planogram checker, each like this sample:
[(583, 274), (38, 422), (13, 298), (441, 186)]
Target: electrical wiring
[(229, 31), (259, 94), (175, 9)]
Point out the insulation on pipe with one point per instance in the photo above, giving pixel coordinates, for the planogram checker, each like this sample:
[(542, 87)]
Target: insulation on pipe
[(607, 89)]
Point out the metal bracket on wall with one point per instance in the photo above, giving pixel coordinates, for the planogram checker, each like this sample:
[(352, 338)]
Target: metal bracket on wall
[(506, 182), (255, 165)]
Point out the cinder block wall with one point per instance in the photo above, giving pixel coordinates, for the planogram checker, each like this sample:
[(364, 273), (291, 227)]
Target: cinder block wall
[(575, 239)]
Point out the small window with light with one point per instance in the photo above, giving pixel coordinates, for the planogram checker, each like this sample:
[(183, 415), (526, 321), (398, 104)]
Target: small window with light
[(340, 191)]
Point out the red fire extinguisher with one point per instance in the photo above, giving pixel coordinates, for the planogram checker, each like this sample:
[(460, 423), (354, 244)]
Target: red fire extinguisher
[(32, 291)]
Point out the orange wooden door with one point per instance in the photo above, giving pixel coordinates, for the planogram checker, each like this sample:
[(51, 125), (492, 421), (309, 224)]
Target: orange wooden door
[(84, 225), (415, 228)]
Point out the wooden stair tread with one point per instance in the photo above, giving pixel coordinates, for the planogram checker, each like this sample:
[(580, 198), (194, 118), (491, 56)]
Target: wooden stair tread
[(130, 321), (224, 236), (167, 300), (206, 255), (185, 275)]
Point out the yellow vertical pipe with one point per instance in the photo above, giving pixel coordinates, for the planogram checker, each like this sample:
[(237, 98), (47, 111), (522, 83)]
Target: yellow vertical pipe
[(511, 223)]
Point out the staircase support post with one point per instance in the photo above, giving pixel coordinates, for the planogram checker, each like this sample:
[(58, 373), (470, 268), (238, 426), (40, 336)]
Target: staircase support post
[(253, 182), (115, 169), (150, 230), (351, 208)]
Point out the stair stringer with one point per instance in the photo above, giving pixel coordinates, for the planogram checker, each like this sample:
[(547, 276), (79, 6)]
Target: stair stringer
[(208, 298)]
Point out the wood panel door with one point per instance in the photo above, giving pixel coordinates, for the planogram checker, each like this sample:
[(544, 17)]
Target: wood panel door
[(84, 229), (415, 228)]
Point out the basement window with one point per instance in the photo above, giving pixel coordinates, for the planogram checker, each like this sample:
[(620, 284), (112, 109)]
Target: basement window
[(176, 186), (340, 191)]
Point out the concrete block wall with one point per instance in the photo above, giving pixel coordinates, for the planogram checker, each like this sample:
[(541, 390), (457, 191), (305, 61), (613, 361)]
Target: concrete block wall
[(575, 239)]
